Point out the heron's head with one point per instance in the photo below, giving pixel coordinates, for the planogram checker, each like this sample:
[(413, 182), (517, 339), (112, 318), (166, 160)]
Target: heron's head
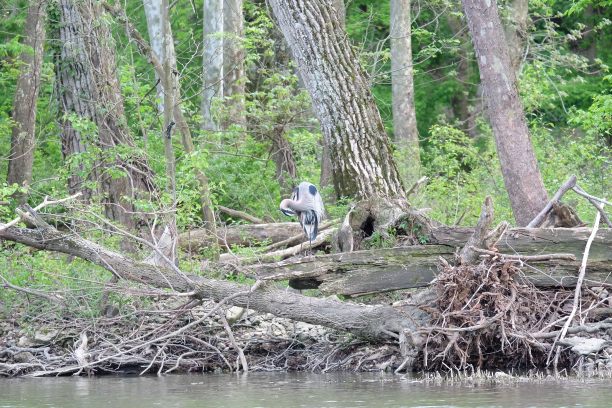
[(285, 207)]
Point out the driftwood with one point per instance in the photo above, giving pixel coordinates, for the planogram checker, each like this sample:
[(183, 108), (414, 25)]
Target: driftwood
[(369, 321), (363, 272)]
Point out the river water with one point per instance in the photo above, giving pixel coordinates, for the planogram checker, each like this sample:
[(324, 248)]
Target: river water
[(296, 390)]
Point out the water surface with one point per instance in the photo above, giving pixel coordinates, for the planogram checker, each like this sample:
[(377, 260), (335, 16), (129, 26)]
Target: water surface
[(295, 390)]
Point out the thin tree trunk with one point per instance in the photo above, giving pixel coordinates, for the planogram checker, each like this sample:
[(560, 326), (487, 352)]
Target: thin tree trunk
[(402, 85), (460, 101), (23, 141), (505, 110), (282, 155), (516, 28), (169, 87), (351, 124), (152, 9), (233, 61), (155, 57), (213, 60)]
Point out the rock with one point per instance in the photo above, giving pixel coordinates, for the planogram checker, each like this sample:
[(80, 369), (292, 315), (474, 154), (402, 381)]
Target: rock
[(23, 357), (586, 346), (45, 336), (25, 341), (234, 314)]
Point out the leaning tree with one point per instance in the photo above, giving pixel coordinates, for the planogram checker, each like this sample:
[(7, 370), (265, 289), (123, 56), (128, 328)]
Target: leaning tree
[(362, 160)]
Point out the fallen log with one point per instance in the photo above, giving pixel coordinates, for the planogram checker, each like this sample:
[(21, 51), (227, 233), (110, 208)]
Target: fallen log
[(364, 272), (241, 235), (531, 241), (379, 322)]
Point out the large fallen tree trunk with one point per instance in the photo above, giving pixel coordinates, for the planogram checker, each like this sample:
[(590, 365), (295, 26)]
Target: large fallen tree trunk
[(364, 320), (364, 272), (243, 235)]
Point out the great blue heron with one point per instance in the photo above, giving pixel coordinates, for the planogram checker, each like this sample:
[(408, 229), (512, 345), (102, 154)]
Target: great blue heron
[(306, 203)]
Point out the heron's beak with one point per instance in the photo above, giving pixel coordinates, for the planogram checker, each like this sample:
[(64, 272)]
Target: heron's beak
[(288, 213)]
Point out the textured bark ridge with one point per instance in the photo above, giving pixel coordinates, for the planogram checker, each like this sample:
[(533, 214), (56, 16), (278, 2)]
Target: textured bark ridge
[(343, 103), (89, 91), (518, 163), (24, 106)]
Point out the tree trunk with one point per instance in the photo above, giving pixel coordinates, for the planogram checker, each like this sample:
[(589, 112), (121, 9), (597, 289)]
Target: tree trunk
[(213, 60), (402, 85), (353, 129), (23, 140), (152, 9), (327, 178), (154, 52), (460, 101), (233, 61), (89, 91), (505, 110), (516, 28), (282, 155)]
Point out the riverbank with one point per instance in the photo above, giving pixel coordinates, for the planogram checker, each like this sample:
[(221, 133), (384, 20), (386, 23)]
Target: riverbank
[(169, 337)]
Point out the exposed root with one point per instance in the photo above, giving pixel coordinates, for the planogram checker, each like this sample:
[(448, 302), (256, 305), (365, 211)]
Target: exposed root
[(484, 318)]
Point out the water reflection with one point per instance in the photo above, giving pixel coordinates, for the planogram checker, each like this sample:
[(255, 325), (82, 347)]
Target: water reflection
[(295, 390)]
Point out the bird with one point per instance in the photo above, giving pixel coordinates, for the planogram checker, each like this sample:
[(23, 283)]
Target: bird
[(305, 203)]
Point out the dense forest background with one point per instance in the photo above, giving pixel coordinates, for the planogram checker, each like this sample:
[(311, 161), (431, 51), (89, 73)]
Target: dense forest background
[(564, 83)]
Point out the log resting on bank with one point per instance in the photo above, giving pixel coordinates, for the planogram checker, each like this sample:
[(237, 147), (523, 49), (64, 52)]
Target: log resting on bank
[(363, 320), (372, 271), (243, 235)]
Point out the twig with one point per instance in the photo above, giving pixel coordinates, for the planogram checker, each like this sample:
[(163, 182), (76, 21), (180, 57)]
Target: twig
[(157, 339), (416, 186), (578, 290), (297, 238), (580, 191), (568, 185), (46, 202), (230, 335), (240, 214), (543, 257), (595, 201), (53, 298)]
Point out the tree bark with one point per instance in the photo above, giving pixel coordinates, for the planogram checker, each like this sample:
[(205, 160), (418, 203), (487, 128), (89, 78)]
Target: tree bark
[(402, 85), (233, 61), (516, 26), (327, 178), (505, 110), (213, 60), (23, 139), (153, 12), (363, 165), (89, 91)]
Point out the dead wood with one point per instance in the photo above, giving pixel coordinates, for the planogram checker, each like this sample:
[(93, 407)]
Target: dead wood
[(568, 185), (240, 215), (477, 239), (239, 235), (379, 270), (369, 321), (597, 203)]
